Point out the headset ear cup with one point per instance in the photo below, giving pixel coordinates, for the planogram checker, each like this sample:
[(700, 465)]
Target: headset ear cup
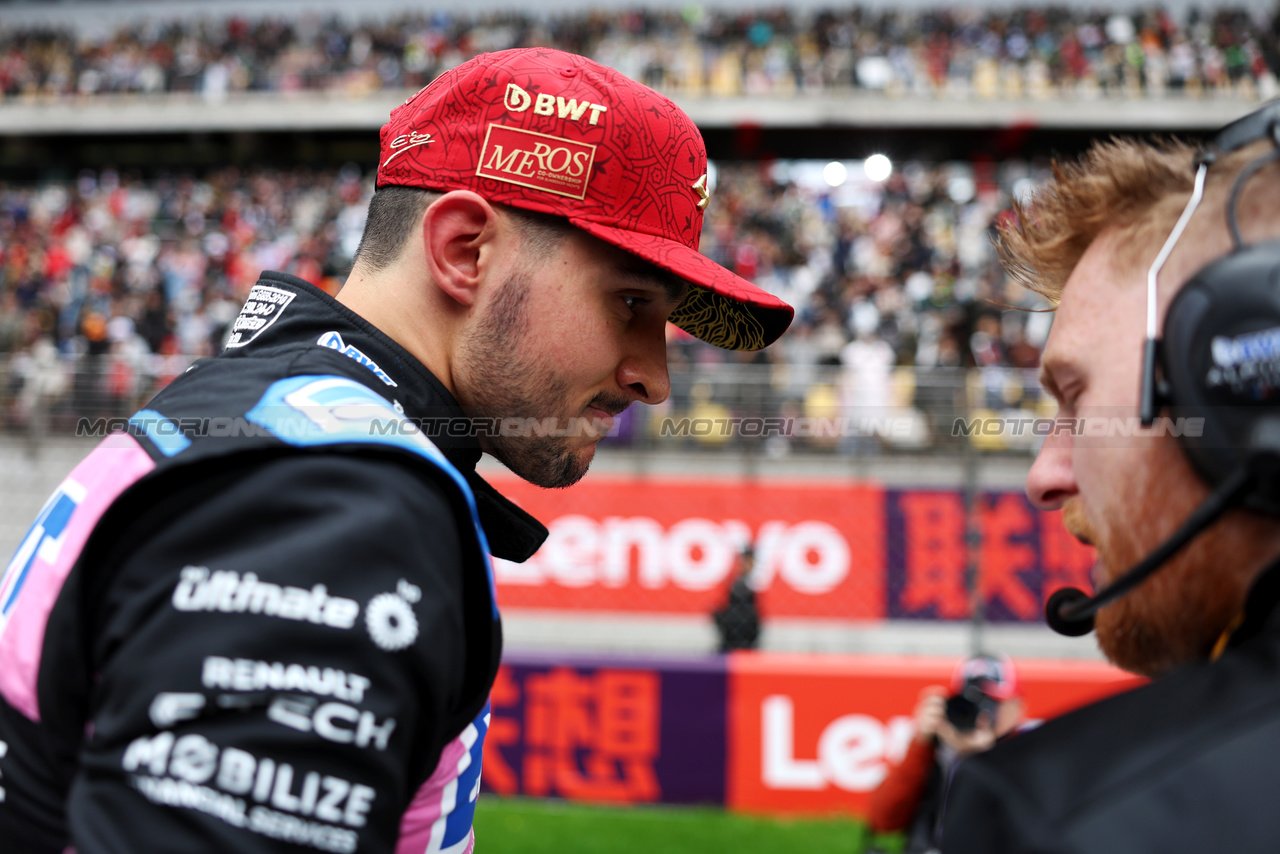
[(1220, 357), (1178, 358)]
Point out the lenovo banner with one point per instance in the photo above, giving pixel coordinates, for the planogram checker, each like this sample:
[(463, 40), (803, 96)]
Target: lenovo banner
[(817, 733), (823, 549)]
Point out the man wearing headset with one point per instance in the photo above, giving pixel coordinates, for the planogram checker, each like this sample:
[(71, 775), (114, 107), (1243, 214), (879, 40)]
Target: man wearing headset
[(1183, 516)]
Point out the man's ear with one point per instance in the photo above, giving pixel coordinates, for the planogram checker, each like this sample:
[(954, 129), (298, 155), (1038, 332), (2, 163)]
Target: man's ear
[(456, 231)]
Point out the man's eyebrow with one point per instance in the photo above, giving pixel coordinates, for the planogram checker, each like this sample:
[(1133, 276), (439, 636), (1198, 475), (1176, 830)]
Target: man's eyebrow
[(672, 285)]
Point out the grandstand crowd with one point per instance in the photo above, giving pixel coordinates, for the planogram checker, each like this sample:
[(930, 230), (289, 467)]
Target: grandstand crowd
[(1062, 51), (111, 282)]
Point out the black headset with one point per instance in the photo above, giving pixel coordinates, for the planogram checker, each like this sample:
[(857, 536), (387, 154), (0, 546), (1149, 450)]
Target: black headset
[(1216, 371)]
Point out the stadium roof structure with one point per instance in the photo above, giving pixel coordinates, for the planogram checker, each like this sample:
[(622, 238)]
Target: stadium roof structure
[(336, 111), (88, 15)]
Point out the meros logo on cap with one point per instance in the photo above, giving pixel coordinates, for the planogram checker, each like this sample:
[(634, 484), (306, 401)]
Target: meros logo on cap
[(536, 160)]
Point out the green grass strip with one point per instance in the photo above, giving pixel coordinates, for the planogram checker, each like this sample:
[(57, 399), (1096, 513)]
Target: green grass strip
[(529, 826)]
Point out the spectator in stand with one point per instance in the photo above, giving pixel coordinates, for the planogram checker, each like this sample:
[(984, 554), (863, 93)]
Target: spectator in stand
[(983, 706), (865, 390), (11, 323), (169, 259), (907, 262), (907, 266)]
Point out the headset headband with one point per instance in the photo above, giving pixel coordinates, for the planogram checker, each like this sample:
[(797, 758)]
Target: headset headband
[(1259, 124), (1262, 123)]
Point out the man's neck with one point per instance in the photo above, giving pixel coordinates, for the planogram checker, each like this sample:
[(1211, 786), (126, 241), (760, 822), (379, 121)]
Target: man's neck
[(404, 314)]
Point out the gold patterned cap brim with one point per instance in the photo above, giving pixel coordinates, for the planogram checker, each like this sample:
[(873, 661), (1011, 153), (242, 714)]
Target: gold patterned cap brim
[(721, 308)]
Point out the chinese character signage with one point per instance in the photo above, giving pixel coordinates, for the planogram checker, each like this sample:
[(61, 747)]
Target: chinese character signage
[(1023, 556), (608, 733)]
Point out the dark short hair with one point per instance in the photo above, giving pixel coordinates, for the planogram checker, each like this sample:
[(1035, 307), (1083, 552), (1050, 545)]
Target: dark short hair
[(394, 214)]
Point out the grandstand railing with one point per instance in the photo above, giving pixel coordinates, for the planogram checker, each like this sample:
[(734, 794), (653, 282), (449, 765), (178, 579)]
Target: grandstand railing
[(767, 410), (345, 110)]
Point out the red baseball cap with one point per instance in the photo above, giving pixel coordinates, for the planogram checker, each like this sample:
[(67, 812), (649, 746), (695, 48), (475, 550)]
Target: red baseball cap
[(549, 131), (994, 675)]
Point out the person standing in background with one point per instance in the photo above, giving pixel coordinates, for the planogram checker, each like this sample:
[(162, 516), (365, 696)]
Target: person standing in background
[(737, 621)]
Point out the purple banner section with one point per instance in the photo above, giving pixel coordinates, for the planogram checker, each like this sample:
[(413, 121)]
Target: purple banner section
[(608, 730), (1022, 556)]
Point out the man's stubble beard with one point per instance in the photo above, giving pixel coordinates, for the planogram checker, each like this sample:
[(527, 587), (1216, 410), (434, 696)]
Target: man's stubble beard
[(1176, 615), (504, 384)]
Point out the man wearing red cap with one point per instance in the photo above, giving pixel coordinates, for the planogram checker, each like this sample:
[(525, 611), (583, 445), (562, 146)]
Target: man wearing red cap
[(983, 706), (264, 618)]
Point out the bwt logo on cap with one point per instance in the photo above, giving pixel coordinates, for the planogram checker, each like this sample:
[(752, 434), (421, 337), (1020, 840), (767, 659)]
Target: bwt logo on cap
[(538, 160), (517, 100)]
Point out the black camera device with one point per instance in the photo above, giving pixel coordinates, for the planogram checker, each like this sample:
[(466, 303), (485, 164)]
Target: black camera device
[(964, 708)]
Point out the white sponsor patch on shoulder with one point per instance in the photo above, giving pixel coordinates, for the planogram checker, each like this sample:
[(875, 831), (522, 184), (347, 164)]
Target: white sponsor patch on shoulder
[(334, 341), (263, 308)]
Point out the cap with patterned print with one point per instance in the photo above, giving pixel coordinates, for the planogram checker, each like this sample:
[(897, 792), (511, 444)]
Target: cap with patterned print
[(549, 131)]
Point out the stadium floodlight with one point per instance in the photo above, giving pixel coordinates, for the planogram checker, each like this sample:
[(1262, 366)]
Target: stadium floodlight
[(961, 187), (878, 167), (835, 173)]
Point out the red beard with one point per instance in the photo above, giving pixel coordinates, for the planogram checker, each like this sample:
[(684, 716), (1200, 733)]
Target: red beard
[(1178, 614)]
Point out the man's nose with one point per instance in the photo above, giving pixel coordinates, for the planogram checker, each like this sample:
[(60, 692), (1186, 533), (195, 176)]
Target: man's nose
[(1052, 479), (643, 371)]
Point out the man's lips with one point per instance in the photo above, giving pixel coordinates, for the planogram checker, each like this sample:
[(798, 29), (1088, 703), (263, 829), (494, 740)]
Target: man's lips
[(602, 410), (603, 420), (1077, 525), (1094, 572)]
